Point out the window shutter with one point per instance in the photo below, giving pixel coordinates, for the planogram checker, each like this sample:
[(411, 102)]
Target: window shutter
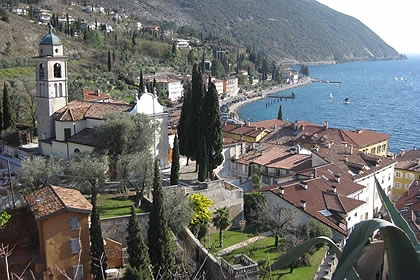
[(75, 246), (79, 272), (74, 223)]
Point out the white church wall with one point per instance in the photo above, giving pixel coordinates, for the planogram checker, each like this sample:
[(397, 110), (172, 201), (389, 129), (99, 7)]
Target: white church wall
[(59, 149), (80, 148)]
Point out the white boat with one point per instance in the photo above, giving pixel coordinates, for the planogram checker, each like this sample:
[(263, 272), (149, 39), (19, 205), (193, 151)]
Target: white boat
[(331, 96), (401, 78)]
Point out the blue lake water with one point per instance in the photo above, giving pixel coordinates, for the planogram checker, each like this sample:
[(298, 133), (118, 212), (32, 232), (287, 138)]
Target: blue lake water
[(384, 96)]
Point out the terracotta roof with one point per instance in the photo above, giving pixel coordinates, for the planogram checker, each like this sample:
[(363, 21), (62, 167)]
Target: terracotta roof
[(92, 95), (319, 197), (244, 130), (276, 156), (409, 160), (355, 163), (409, 207), (316, 134), (330, 172), (269, 124), (53, 200), (79, 110), (410, 200), (83, 137)]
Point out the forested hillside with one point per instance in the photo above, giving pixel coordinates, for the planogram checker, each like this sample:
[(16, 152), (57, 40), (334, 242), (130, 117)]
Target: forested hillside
[(290, 30)]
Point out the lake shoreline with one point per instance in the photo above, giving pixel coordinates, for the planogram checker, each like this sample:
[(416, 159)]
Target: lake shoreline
[(255, 96)]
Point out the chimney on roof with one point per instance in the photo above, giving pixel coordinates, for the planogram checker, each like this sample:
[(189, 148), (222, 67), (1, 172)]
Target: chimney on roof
[(325, 125), (97, 92), (255, 128), (334, 189), (315, 173), (402, 152), (344, 144), (304, 185), (281, 189), (303, 204), (337, 178), (346, 158), (351, 149)]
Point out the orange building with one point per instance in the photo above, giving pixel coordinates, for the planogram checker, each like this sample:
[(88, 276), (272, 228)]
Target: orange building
[(50, 230), (62, 220)]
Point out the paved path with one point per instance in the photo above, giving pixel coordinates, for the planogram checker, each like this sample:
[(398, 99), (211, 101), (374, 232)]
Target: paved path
[(243, 244), (326, 267)]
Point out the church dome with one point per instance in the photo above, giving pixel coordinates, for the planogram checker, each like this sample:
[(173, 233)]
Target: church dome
[(50, 39)]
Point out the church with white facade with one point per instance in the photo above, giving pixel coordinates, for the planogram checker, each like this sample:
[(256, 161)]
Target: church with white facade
[(65, 128)]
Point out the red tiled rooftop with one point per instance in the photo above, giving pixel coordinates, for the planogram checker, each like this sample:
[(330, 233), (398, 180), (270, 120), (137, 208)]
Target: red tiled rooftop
[(92, 95), (411, 198), (312, 133), (79, 110), (318, 196), (353, 162), (244, 130), (276, 156), (269, 124), (52, 199)]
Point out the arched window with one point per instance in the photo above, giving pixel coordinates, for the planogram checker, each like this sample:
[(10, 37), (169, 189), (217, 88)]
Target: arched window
[(77, 151), (57, 70), (56, 90), (61, 89), (41, 71)]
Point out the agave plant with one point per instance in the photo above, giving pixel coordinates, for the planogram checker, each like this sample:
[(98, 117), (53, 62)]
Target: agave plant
[(401, 250)]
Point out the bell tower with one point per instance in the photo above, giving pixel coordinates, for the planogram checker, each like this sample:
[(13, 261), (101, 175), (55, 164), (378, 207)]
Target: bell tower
[(51, 83)]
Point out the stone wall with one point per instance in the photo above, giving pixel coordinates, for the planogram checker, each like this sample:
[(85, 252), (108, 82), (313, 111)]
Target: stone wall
[(115, 228), (193, 248), (222, 193)]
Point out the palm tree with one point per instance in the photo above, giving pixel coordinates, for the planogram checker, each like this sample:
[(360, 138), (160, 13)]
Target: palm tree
[(221, 221)]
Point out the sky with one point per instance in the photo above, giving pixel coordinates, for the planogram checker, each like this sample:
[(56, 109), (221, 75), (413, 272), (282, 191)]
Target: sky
[(396, 22)]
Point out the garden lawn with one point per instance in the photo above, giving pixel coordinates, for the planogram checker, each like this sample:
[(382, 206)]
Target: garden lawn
[(112, 205), (230, 237), (264, 253)]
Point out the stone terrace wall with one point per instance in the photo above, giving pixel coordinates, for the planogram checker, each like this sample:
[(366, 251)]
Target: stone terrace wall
[(222, 194), (115, 228)]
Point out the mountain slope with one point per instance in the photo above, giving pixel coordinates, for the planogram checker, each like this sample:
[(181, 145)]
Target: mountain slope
[(290, 30)]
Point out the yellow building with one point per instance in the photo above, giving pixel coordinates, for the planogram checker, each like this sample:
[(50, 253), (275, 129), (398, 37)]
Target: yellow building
[(250, 134), (406, 171)]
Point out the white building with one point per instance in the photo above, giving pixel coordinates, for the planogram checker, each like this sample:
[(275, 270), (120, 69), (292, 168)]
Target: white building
[(182, 43), (362, 169), (169, 86), (65, 128), (230, 86)]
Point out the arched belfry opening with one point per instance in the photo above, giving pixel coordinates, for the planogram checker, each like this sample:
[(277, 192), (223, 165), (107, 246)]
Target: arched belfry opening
[(57, 70), (41, 71)]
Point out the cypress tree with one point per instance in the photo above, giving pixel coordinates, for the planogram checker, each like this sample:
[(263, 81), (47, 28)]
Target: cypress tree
[(203, 63), (109, 61), (203, 161), (212, 127), (280, 114), (8, 118), (138, 256), (160, 251), (97, 251), (1, 112), (183, 120), (175, 163), (192, 132), (141, 84)]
